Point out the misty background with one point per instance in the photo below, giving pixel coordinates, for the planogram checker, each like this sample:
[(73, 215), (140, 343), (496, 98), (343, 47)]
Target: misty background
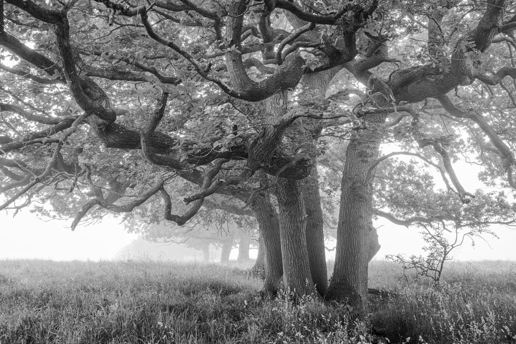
[(27, 237)]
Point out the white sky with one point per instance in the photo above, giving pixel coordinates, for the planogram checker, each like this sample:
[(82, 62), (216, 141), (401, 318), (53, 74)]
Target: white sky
[(25, 236)]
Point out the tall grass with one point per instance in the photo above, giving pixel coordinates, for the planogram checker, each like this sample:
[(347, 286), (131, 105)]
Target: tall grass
[(146, 302), (474, 303)]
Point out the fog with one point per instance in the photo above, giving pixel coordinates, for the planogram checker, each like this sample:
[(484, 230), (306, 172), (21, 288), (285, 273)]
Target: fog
[(27, 237)]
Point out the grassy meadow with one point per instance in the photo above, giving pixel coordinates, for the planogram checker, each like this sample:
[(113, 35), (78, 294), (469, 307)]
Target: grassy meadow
[(150, 302)]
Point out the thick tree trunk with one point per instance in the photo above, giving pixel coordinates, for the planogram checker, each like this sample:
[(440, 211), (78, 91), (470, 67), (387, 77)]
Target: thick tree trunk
[(227, 246), (296, 267), (243, 248), (349, 281), (269, 229), (318, 84), (259, 265), (315, 232)]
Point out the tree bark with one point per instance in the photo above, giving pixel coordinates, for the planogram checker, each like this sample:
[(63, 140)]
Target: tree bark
[(374, 244), (296, 266), (349, 281), (315, 232), (243, 248), (294, 252), (227, 246), (317, 83), (259, 265), (270, 232)]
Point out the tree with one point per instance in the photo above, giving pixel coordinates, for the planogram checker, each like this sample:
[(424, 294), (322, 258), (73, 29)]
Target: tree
[(221, 223), (448, 224), (242, 98)]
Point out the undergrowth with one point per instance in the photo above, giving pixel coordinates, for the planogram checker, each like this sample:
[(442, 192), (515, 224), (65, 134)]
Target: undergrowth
[(135, 302)]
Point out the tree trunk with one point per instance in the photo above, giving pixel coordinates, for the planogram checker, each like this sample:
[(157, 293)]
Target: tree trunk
[(318, 84), (243, 248), (374, 244), (227, 246), (296, 267), (258, 269), (206, 252), (315, 232), (349, 279), (294, 252), (270, 232)]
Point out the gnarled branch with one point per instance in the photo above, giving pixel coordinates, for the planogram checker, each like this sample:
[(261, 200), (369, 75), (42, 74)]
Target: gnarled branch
[(125, 208), (197, 204), (409, 221)]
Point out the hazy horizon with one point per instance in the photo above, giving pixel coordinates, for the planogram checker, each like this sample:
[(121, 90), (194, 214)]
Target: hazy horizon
[(26, 237)]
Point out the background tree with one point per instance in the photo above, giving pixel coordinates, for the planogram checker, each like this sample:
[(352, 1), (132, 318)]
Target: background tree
[(219, 224)]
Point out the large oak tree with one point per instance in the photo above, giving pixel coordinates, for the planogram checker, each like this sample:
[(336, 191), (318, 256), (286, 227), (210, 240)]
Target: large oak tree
[(106, 104)]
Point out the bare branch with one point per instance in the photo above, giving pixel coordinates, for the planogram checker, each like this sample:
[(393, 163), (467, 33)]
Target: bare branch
[(203, 71), (228, 208), (42, 12), (320, 19), (32, 77), (31, 117), (30, 55), (8, 173), (115, 74), (409, 221), (288, 40), (125, 208), (15, 184), (84, 210), (498, 76), (36, 179), (207, 182), (75, 83), (216, 186), (8, 147)]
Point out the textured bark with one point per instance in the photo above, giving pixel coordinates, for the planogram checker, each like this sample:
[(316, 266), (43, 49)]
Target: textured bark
[(286, 77), (349, 281), (315, 232), (243, 248), (296, 267), (227, 245), (311, 195), (269, 229), (259, 265), (374, 244)]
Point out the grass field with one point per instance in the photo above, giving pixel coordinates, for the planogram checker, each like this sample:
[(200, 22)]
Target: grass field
[(146, 302)]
